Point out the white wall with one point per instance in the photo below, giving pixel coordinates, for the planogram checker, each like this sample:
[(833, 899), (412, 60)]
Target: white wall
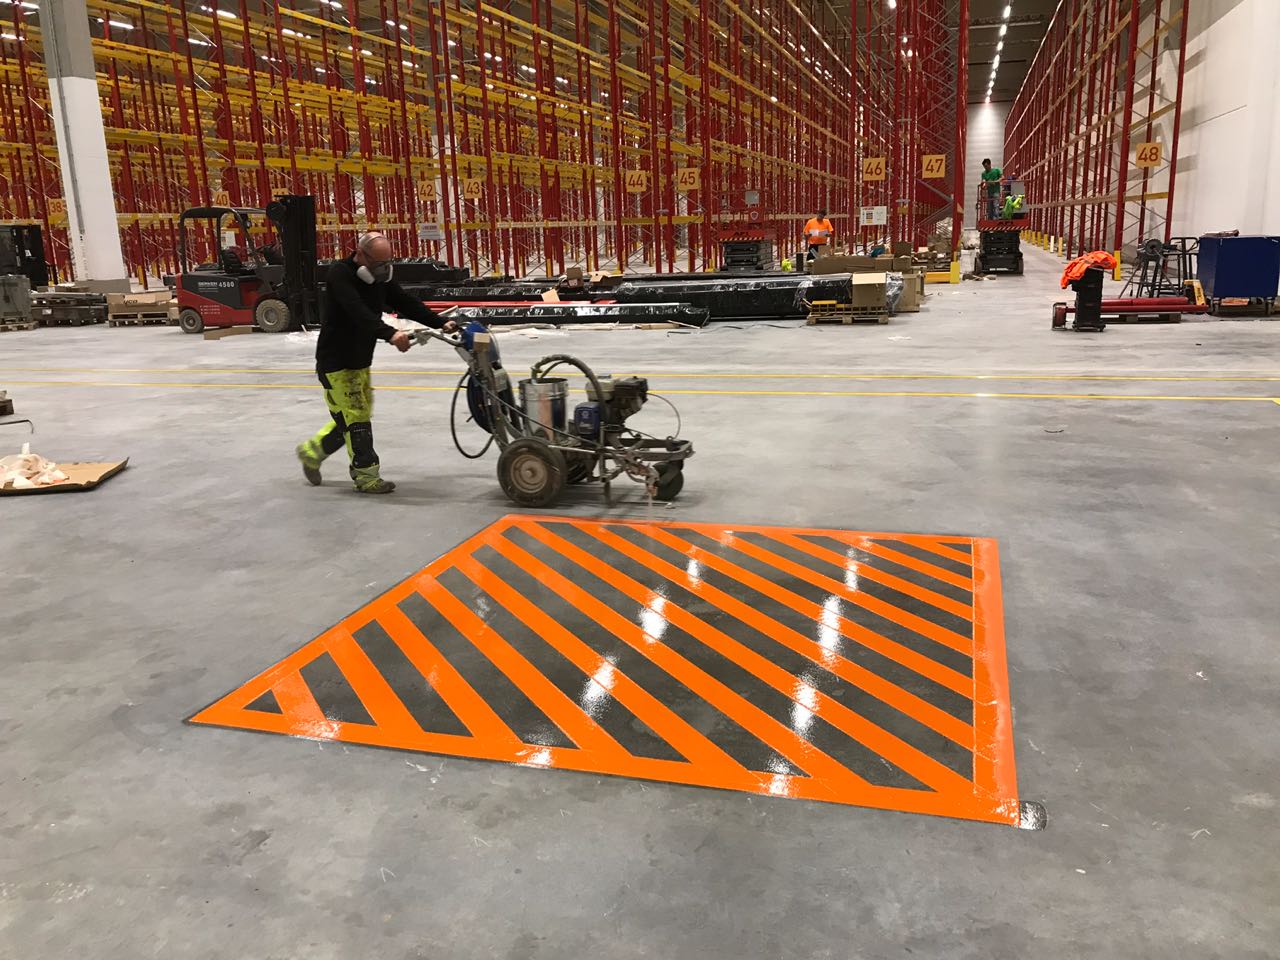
[(985, 138), (1229, 147)]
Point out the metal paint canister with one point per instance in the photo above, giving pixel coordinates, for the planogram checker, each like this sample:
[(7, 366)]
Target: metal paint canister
[(545, 404)]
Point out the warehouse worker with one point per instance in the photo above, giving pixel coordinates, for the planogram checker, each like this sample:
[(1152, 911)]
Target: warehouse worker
[(991, 177), (817, 233), (359, 289)]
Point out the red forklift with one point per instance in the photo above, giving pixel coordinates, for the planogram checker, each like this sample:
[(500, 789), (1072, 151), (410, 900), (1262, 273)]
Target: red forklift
[(274, 289)]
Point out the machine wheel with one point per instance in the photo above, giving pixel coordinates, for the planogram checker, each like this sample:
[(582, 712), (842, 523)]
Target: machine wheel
[(1018, 269), (1059, 316), (670, 481), (190, 321), (531, 473), (271, 315)]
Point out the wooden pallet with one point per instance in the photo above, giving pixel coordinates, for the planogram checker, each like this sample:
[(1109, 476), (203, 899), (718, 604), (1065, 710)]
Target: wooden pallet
[(138, 318), (826, 311), (70, 316), (6, 325)]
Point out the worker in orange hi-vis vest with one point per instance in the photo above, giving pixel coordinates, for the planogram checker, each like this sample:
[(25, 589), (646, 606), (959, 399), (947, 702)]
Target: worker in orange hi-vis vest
[(817, 233)]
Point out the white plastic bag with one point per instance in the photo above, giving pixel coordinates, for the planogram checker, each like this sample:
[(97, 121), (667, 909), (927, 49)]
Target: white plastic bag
[(24, 470)]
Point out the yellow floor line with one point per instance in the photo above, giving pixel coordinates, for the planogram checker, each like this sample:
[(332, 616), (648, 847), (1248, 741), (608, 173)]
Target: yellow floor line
[(719, 393), (390, 372)]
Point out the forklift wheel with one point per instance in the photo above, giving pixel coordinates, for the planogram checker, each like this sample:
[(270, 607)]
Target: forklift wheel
[(271, 315), (190, 321), (1018, 269), (531, 473), (670, 480), (1059, 316)]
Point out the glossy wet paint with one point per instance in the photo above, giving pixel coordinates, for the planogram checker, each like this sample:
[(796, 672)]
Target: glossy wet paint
[(848, 667)]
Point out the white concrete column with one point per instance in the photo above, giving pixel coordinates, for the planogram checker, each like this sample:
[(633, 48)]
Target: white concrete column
[(82, 144)]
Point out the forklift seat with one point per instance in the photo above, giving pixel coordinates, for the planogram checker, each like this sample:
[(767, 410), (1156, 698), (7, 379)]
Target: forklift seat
[(231, 262)]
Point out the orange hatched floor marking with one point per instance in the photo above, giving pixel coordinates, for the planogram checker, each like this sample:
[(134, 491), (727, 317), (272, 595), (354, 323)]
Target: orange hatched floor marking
[(850, 667)]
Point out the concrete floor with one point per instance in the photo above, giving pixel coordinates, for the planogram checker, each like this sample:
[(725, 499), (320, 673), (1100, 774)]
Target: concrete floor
[(1139, 546)]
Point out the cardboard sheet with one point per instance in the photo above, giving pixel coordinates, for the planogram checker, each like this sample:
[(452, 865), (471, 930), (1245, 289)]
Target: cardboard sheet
[(80, 476)]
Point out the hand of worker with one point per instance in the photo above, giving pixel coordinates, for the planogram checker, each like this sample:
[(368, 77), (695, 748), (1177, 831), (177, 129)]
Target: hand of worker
[(449, 326), (401, 341)]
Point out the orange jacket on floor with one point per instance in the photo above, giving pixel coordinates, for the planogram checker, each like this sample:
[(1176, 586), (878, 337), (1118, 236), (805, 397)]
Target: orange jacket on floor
[(1076, 268)]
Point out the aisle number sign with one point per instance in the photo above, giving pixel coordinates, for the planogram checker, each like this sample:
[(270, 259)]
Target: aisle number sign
[(1149, 155), (688, 179), (57, 207), (221, 198), (428, 190), (473, 188), (872, 168), (636, 181), (933, 166)]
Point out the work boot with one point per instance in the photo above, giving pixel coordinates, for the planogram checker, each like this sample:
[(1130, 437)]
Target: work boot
[(367, 480), (310, 461)]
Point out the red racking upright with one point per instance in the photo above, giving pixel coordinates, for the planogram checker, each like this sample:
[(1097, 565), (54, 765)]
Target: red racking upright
[(1093, 133), (511, 137)]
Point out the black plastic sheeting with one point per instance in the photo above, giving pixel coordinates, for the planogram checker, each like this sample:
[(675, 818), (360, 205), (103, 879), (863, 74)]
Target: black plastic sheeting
[(495, 291), (568, 313), (740, 298)]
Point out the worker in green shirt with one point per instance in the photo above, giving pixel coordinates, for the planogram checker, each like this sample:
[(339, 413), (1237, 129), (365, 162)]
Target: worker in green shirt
[(991, 177)]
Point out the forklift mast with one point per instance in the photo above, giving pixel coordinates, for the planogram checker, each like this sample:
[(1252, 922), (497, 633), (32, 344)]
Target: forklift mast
[(295, 218)]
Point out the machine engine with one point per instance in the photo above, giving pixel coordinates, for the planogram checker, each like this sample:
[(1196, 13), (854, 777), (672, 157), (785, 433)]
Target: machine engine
[(605, 411)]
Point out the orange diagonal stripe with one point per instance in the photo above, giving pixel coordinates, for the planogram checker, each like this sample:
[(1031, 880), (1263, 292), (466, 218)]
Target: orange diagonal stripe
[(920, 625), (742, 711), (892, 748), (467, 705), (546, 696), (896, 556), (661, 719), (902, 700), (931, 597)]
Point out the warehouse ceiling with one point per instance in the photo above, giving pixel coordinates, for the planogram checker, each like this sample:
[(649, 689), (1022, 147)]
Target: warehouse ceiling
[(1027, 24)]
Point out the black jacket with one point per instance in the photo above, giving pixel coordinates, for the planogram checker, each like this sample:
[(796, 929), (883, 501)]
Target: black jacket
[(351, 317)]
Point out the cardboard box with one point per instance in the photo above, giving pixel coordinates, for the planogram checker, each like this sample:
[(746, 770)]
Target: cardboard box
[(901, 248), (868, 291), (902, 262), (141, 298), (842, 264)]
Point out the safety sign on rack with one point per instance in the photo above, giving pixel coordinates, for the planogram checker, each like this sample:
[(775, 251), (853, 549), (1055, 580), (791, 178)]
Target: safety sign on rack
[(430, 231), (427, 189), (688, 179), (873, 168), (873, 216), (636, 181), (473, 188), (1149, 155), (933, 166)]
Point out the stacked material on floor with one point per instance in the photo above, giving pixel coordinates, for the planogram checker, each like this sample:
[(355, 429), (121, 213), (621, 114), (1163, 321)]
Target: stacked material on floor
[(144, 308), (738, 297), (15, 303), (65, 306), (581, 313)]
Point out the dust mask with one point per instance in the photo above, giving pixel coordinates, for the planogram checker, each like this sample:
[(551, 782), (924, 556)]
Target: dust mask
[(380, 274)]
